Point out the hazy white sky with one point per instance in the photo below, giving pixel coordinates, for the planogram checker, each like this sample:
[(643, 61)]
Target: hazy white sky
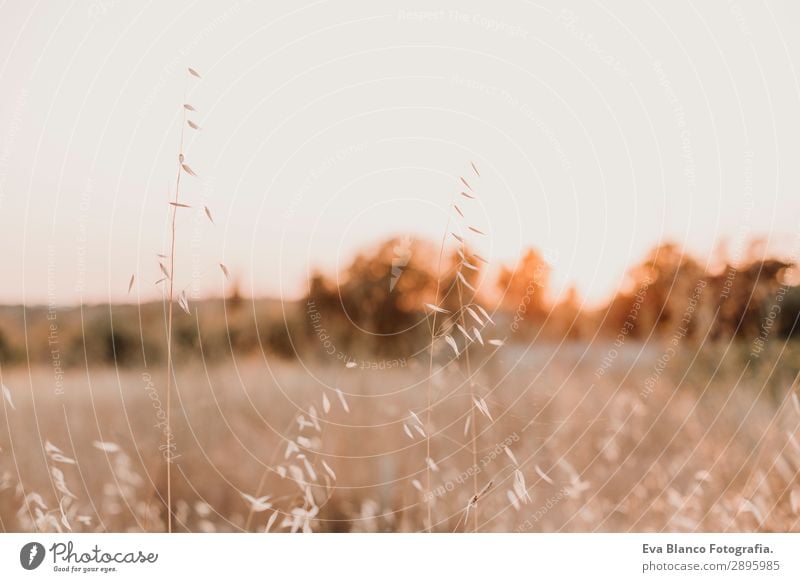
[(599, 129)]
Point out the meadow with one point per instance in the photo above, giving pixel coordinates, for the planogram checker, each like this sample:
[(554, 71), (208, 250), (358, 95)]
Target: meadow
[(569, 442)]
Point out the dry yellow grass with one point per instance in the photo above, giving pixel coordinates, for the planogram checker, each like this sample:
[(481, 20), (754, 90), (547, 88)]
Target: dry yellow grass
[(709, 449)]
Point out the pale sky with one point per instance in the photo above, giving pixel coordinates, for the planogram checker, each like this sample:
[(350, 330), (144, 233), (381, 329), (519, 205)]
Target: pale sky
[(599, 130)]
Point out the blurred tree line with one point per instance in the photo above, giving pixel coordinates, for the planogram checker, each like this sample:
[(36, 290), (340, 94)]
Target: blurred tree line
[(671, 292), (375, 307)]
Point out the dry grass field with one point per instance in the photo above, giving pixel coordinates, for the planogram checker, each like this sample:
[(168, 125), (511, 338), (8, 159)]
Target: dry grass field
[(263, 443), (354, 267)]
